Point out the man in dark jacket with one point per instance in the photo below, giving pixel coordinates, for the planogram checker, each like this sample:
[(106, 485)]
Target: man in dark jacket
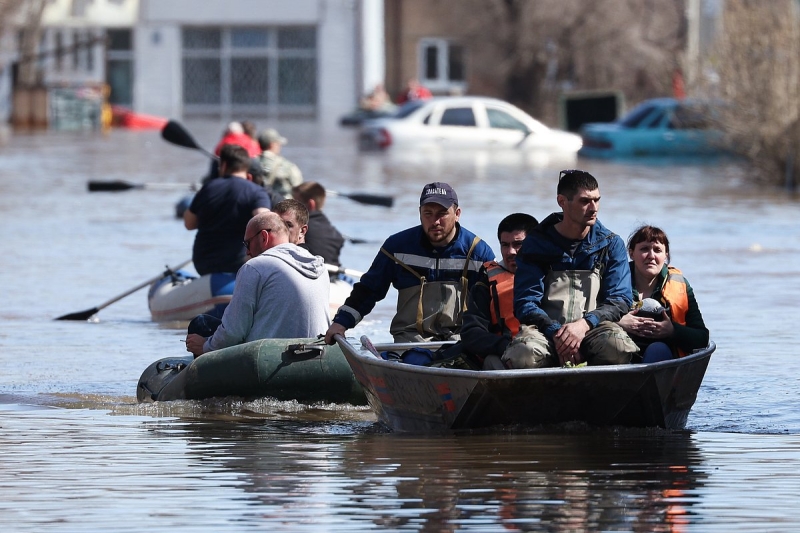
[(433, 266), (321, 238), (572, 286)]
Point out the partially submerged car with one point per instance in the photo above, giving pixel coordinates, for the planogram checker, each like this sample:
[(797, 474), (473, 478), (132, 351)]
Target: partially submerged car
[(657, 127), (464, 123)]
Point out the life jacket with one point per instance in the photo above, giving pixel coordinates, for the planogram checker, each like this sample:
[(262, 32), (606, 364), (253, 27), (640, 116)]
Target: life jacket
[(501, 287), (675, 297)]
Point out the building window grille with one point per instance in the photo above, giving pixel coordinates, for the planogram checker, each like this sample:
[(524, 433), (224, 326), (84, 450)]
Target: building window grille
[(249, 70)]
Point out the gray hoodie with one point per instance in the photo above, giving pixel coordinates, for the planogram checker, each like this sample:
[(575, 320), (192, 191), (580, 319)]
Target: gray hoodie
[(281, 294)]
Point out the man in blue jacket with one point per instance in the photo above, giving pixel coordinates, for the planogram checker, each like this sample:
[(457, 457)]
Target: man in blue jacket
[(433, 266), (572, 286)]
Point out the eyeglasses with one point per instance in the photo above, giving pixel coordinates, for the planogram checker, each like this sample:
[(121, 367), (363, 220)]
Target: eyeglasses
[(246, 242)]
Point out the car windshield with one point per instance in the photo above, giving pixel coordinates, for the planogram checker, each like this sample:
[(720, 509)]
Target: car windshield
[(409, 107), (635, 117)]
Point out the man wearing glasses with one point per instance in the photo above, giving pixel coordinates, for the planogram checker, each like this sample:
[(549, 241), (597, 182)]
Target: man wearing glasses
[(572, 286), (281, 293)]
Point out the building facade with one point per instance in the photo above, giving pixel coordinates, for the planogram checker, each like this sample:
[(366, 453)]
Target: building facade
[(230, 58)]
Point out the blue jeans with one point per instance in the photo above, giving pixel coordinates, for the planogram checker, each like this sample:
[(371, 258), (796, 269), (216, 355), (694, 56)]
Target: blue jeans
[(658, 351)]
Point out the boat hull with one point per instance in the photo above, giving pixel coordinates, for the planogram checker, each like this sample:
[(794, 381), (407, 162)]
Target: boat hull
[(425, 399), (181, 297), (284, 369)]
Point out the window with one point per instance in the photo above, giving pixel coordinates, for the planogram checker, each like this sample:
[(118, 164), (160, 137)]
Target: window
[(119, 66), (254, 70), (441, 65), (501, 119), (458, 116)]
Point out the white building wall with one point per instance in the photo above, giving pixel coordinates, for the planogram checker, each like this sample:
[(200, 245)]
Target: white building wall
[(157, 86), (158, 60)]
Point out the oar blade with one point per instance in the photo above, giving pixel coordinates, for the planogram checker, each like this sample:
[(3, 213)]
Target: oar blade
[(175, 133), (112, 186), (80, 315), (371, 199)]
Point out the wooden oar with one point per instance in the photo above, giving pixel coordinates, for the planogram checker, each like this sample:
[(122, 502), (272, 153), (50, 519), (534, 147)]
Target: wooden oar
[(175, 133), (85, 315), (122, 185)]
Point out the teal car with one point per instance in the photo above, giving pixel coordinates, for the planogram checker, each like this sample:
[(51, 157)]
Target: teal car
[(657, 127)]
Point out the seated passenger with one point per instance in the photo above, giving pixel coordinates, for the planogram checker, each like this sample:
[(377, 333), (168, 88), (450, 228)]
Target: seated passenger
[(680, 328), (322, 238), (489, 322), (282, 292)]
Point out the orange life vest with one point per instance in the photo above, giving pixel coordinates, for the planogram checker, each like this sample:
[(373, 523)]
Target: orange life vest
[(501, 287), (674, 296)]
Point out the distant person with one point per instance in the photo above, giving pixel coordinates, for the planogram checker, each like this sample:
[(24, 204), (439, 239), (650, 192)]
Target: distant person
[(489, 321), (295, 216), (572, 286), (281, 293), (413, 90), (220, 211), (377, 100), (234, 134), (433, 266), (678, 329), (281, 174), (321, 238)]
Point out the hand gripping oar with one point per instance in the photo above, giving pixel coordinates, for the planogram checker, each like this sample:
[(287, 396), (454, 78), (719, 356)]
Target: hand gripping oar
[(85, 315), (174, 132)]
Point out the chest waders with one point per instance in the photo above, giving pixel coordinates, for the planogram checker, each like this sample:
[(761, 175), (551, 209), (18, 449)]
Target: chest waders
[(435, 304), (573, 293)]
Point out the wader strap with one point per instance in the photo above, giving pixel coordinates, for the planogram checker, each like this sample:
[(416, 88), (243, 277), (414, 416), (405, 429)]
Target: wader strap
[(420, 313), (495, 295), (464, 284)]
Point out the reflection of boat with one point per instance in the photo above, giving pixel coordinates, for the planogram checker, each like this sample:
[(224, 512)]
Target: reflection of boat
[(180, 296), (418, 398), (285, 369)]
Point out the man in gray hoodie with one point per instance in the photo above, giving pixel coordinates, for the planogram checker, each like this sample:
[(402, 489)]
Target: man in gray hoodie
[(282, 292)]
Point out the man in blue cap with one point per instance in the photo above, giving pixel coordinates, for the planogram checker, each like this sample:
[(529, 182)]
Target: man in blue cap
[(432, 266)]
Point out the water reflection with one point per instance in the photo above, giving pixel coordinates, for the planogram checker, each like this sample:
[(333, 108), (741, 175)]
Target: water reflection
[(524, 481)]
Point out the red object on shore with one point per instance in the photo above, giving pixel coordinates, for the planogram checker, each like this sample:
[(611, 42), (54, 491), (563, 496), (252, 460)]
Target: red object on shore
[(123, 117)]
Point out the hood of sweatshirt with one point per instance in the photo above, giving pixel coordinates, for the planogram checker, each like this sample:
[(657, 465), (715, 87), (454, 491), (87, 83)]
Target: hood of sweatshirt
[(311, 266)]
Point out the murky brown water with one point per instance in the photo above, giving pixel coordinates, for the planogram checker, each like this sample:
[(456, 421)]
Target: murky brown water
[(78, 453)]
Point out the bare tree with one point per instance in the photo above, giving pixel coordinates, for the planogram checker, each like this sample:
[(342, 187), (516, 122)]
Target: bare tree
[(757, 63), (31, 35), (541, 48)]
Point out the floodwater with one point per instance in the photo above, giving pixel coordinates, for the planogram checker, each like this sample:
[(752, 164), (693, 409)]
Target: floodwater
[(79, 454)]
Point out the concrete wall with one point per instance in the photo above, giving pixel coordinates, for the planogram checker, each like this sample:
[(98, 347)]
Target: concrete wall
[(158, 87)]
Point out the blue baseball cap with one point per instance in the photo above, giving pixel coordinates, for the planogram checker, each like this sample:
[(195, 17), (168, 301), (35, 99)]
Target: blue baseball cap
[(438, 193)]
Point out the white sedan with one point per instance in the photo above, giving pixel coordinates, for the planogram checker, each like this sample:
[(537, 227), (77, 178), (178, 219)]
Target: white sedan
[(464, 123)]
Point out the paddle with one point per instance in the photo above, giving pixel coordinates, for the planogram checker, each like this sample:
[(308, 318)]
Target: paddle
[(122, 185), (84, 315), (333, 269), (365, 198), (175, 133)]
